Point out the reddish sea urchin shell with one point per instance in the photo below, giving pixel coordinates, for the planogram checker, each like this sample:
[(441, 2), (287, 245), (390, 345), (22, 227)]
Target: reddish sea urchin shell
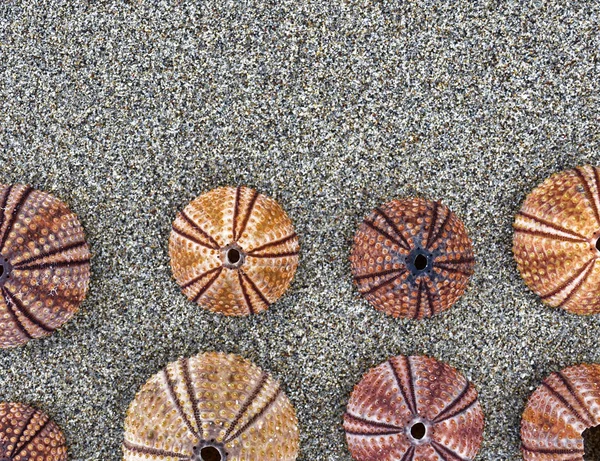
[(558, 412), (412, 258), (233, 251), (29, 434), (556, 240), (44, 264), (413, 408), (211, 407)]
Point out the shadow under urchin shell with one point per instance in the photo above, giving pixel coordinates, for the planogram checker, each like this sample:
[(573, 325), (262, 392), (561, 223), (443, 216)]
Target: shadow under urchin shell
[(558, 412), (413, 408), (412, 258), (556, 243), (212, 404), (44, 264), (233, 251), (29, 434)]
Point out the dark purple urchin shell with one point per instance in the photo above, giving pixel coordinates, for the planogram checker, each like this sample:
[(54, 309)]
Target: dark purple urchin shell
[(44, 264), (412, 258), (413, 408)]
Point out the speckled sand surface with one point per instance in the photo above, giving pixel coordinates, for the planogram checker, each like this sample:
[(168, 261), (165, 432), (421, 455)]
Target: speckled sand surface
[(129, 110)]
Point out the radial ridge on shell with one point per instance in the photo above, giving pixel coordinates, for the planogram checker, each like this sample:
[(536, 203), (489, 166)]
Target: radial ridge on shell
[(27, 434), (412, 258), (233, 251), (558, 412), (211, 407), (556, 240), (413, 409), (44, 264)]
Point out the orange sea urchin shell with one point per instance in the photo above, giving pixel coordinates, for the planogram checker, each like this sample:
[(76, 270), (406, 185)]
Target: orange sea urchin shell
[(412, 258), (211, 407), (556, 240), (413, 408), (559, 410), (27, 434), (44, 264), (233, 251)]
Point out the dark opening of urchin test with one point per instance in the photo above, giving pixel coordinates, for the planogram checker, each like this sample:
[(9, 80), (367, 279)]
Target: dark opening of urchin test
[(420, 262), (1, 274), (418, 431), (211, 453), (233, 257), (598, 244), (591, 443)]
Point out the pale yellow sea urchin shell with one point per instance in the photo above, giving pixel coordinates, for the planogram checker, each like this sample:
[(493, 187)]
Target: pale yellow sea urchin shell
[(556, 240), (44, 264), (211, 407), (233, 251), (27, 434)]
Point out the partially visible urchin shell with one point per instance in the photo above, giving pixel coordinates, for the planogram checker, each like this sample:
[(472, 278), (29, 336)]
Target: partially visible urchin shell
[(556, 240), (211, 401), (27, 434), (559, 410), (233, 221), (412, 258), (413, 408), (44, 264)]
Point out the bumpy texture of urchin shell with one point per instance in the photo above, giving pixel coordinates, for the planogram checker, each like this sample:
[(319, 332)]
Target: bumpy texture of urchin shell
[(394, 396), (212, 398), (45, 264), (27, 434), (555, 238), (386, 246), (559, 410), (243, 219)]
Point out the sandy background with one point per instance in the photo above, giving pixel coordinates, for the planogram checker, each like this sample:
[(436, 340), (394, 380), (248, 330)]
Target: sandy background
[(129, 110)]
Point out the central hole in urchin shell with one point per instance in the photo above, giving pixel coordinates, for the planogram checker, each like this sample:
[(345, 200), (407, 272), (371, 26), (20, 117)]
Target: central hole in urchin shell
[(233, 256), (598, 244), (210, 454), (418, 431), (420, 262), (591, 443)]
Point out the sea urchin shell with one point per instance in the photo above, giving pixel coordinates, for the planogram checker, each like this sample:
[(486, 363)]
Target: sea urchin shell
[(412, 258), (413, 408), (44, 264), (211, 407), (556, 242), (27, 434), (558, 412), (233, 251)]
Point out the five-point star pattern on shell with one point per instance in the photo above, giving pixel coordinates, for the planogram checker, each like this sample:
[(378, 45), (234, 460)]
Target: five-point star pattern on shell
[(213, 406), (44, 264), (413, 408), (412, 258), (233, 251), (556, 241)]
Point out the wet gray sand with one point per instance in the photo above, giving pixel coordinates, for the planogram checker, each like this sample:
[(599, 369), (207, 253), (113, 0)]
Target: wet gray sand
[(128, 110)]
